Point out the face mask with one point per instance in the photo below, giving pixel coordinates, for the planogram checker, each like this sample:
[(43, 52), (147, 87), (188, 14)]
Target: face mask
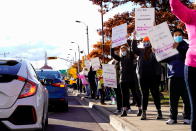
[(146, 44), (178, 39), (124, 53)]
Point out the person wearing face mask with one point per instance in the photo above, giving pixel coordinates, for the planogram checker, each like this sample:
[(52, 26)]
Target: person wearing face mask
[(126, 74), (177, 86), (149, 75), (188, 16)]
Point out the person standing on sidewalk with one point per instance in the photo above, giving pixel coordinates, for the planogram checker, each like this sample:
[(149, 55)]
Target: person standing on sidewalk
[(188, 16), (117, 90), (149, 75), (85, 83), (92, 81), (101, 88), (177, 86), (126, 74)]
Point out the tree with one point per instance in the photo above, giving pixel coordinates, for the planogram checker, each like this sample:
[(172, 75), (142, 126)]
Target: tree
[(162, 14), (98, 52)]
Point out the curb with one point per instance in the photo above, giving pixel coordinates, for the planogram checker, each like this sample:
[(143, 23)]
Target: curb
[(115, 121)]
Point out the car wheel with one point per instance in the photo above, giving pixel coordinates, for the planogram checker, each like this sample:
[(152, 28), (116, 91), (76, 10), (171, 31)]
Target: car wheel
[(66, 106), (63, 106)]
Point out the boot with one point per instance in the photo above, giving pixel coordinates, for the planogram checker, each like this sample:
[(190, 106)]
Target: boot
[(139, 112), (143, 115), (124, 113), (159, 116)]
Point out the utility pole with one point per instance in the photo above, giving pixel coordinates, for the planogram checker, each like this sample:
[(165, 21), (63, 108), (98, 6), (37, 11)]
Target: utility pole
[(103, 42)]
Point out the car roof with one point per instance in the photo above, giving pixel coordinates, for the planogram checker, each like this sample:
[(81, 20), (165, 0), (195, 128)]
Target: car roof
[(10, 59), (48, 70)]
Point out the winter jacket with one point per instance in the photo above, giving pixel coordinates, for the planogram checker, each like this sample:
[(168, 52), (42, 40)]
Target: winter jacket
[(146, 68), (175, 63), (126, 66)]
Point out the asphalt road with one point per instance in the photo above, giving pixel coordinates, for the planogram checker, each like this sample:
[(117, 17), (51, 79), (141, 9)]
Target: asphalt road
[(76, 119)]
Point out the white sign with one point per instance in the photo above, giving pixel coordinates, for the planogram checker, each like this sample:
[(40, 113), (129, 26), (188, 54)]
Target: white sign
[(95, 63), (144, 20), (162, 41), (119, 35), (87, 64), (109, 76)]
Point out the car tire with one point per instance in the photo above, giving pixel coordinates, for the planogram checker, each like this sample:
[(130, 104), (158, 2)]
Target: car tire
[(63, 106), (66, 107)]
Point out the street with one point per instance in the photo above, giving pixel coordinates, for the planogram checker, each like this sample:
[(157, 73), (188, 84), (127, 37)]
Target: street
[(76, 119)]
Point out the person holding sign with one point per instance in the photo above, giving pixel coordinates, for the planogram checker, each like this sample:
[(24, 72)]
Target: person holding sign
[(176, 79), (149, 75), (126, 74), (188, 16), (100, 87), (92, 82)]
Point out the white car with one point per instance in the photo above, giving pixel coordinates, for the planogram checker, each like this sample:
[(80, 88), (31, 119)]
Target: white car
[(23, 99)]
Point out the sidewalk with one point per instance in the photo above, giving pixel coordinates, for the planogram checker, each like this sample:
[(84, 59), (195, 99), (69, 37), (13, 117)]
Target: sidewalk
[(132, 122)]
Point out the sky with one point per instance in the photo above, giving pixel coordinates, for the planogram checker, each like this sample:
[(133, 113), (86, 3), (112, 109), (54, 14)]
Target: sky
[(29, 28)]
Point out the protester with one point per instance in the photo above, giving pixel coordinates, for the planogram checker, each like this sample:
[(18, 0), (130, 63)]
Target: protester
[(118, 89), (188, 16), (101, 87), (177, 87), (84, 80), (92, 82), (149, 72), (126, 74)]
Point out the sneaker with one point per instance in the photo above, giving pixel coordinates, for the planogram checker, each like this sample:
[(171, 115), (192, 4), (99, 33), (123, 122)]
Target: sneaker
[(124, 113), (171, 121), (117, 112), (143, 115), (187, 122), (139, 113)]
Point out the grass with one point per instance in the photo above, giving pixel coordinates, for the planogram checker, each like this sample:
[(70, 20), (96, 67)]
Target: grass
[(165, 99)]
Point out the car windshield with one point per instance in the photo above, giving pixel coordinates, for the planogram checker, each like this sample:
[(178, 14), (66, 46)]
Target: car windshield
[(49, 74), (10, 67)]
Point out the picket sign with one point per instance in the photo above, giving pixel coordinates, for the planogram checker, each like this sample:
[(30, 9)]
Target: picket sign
[(109, 75), (162, 41), (87, 64), (144, 20), (119, 35), (95, 63)]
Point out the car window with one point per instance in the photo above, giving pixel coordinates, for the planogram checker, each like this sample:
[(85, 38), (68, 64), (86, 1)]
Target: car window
[(49, 74), (10, 67)]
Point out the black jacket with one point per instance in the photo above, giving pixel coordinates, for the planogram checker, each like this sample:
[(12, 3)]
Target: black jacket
[(126, 66), (91, 75), (146, 68), (175, 63)]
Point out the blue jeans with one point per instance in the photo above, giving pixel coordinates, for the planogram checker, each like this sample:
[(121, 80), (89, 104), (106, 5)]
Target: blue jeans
[(190, 75), (88, 91)]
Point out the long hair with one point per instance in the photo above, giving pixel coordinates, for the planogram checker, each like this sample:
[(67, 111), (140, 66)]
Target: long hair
[(147, 53)]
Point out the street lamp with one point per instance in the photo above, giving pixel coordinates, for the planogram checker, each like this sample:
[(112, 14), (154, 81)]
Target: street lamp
[(77, 21), (75, 54), (78, 55), (103, 42)]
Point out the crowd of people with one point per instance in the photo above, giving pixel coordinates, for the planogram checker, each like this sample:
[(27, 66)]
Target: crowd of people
[(138, 71)]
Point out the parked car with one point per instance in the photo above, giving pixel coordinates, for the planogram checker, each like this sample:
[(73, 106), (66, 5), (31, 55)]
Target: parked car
[(56, 88), (24, 100)]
